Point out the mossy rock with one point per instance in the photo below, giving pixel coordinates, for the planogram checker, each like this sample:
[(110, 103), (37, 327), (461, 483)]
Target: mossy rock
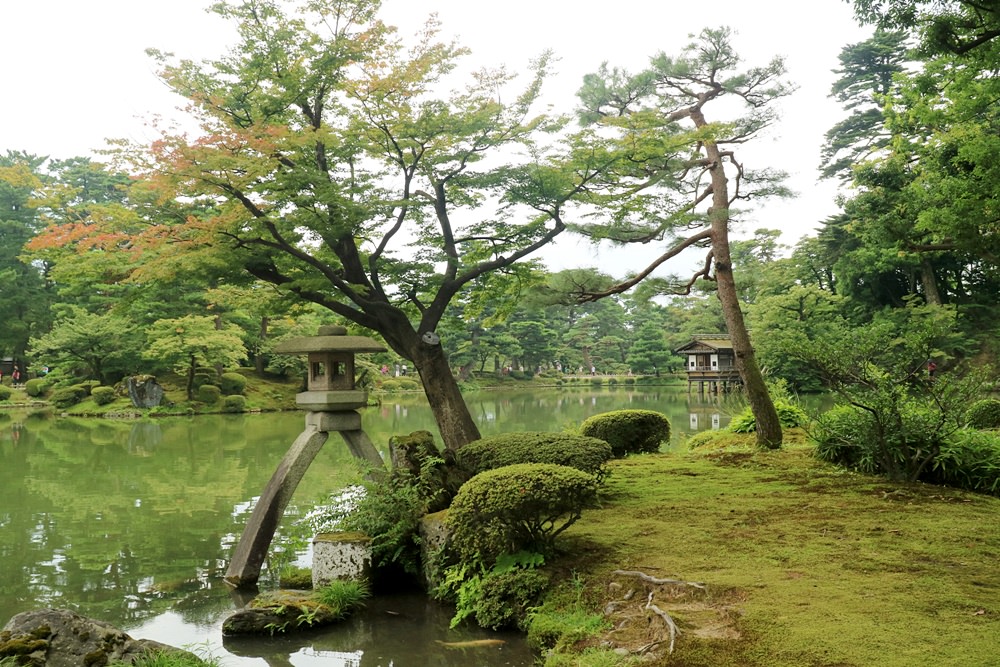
[(279, 612)]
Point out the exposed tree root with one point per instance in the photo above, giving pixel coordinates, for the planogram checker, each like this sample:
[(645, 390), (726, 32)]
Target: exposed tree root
[(666, 619), (656, 580)]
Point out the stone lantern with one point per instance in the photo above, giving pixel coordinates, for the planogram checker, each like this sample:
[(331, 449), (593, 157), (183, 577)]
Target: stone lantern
[(330, 401), (330, 384)]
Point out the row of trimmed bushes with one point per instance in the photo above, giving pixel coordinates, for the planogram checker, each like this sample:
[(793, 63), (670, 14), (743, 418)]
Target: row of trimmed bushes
[(225, 388)]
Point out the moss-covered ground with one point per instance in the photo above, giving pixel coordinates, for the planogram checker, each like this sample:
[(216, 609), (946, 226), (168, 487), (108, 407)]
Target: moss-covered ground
[(804, 563)]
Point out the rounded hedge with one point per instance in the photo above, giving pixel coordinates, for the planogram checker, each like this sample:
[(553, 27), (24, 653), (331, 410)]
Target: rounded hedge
[(984, 414), (5, 393), (568, 449), (66, 397), (102, 395), (209, 394), (234, 403), (517, 507), (35, 387), (232, 384), (629, 431)]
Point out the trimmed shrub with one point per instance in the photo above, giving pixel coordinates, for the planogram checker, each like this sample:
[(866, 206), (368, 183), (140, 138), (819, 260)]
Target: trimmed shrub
[(984, 414), (208, 394), (232, 384), (102, 395), (66, 397), (400, 384), (203, 377), (5, 393), (629, 431), (235, 403), (970, 459), (521, 507), (567, 449), (35, 387), (789, 416)]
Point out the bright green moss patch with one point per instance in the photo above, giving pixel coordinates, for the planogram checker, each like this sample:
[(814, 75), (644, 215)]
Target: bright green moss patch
[(804, 563)]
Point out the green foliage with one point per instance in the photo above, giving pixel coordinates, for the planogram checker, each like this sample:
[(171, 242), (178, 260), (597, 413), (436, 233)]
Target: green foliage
[(232, 383), (35, 387), (343, 596), (517, 507), (234, 403), (185, 344), (880, 370), (970, 459), (102, 346), (5, 393), (167, 658), (499, 598), (400, 384), (209, 394), (984, 413), (629, 431), (65, 397), (204, 377), (577, 451), (789, 414), (103, 395), (390, 513), (845, 435)]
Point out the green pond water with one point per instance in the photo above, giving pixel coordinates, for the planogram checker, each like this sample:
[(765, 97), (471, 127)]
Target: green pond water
[(132, 522)]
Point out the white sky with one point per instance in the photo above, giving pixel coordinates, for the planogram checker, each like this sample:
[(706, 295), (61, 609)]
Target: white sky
[(75, 72)]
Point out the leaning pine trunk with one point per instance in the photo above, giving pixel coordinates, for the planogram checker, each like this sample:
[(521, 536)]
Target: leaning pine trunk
[(769, 434)]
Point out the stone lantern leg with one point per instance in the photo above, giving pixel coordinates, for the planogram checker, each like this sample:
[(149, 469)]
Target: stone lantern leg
[(330, 401)]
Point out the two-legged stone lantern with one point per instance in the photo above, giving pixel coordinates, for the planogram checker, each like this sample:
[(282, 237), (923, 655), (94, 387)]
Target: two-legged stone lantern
[(331, 403)]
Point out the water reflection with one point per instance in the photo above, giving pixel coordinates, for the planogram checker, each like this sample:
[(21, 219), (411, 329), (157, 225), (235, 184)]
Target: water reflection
[(133, 521)]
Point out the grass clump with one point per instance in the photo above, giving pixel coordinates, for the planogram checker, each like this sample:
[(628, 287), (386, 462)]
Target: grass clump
[(343, 596)]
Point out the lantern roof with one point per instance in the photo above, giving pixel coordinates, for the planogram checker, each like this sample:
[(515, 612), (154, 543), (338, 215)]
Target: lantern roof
[(331, 338)]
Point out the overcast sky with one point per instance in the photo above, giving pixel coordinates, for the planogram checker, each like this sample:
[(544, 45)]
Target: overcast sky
[(75, 71)]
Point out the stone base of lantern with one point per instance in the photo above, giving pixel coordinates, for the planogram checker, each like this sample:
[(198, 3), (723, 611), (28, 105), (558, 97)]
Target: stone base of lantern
[(331, 401), (340, 556)]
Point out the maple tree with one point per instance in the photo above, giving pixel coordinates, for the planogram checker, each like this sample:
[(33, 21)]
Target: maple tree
[(329, 164)]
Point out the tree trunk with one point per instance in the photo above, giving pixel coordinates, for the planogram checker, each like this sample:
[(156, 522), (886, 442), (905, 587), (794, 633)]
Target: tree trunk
[(768, 426), (450, 411), (258, 358), (929, 282)]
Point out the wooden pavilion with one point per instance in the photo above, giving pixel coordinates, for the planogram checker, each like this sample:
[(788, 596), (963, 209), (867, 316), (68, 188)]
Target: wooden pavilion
[(710, 362)]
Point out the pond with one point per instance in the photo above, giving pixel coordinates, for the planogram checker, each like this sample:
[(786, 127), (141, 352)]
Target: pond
[(132, 522)]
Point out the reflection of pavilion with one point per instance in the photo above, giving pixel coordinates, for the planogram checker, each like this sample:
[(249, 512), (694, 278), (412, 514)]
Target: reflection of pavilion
[(698, 421), (711, 362)]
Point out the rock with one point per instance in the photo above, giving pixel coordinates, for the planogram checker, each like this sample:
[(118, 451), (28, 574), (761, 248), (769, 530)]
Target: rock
[(279, 612), (434, 535), (144, 391), (63, 638), (341, 556)]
